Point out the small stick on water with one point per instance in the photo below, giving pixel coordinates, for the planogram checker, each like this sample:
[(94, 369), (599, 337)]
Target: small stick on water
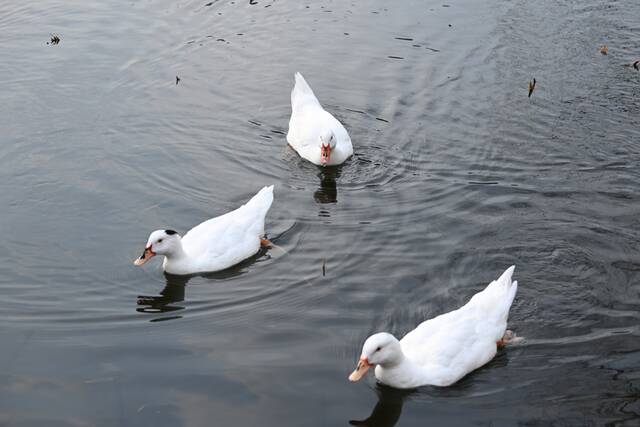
[(604, 49), (532, 86), (636, 65), (177, 80), (324, 267)]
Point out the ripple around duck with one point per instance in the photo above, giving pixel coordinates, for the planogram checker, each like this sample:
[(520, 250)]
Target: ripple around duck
[(107, 301)]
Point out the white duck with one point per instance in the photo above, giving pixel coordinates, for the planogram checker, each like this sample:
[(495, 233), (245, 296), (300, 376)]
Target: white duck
[(217, 243), (444, 349), (313, 132)]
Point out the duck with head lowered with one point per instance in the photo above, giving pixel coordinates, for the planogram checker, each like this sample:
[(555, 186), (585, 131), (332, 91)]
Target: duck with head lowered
[(313, 132), (442, 350), (217, 243)]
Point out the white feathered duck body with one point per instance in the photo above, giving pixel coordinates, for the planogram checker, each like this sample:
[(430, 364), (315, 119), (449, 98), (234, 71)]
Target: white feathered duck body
[(314, 133), (215, 244), (442, 350)]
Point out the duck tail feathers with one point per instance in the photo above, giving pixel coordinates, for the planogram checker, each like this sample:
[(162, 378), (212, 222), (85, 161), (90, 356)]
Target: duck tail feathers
[(302, 92), (498, 292), (505, 278), (506, 290), (508, 286), (301, 84), (262, 200)]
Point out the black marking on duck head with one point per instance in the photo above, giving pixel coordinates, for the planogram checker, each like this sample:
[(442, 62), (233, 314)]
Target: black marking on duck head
[(170, 232)]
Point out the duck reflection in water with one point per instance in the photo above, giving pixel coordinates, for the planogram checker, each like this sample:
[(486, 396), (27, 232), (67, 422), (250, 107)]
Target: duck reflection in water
[(175, 286), (328, 190), (387, 411), (172, 293)]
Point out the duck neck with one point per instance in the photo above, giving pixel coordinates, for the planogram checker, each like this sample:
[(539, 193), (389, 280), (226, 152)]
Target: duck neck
[(398, 372), (176, 256)]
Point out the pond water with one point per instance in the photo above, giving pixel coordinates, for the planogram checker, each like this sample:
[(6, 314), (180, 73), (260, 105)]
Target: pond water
[(457, 174)]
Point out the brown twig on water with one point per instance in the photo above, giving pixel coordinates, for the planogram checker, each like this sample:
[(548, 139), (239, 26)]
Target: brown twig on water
[(604, 49), (532, 86)]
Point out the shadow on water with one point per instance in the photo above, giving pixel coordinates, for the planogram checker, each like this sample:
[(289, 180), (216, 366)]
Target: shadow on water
[(387, 411), (328, 190), (173, 292)]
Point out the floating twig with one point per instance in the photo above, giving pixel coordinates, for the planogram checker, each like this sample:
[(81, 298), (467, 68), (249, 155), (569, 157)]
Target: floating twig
[(604, 49), (532, 86)]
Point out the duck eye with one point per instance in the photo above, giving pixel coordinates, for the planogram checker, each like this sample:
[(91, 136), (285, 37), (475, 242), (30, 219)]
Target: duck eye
[(159, 240), (379, 348)]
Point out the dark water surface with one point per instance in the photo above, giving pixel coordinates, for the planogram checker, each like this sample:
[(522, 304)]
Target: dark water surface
[(456, 175)]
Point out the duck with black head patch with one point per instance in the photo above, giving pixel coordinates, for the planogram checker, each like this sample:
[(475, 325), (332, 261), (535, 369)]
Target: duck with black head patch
[(217, 243)]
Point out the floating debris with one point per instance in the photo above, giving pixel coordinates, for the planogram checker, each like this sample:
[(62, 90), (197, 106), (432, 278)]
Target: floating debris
[(483, 183), (55, 39), (177, 80), (636, 64), (604, 49), (395, 57), (324, 267), (532, 86), (253, 2)]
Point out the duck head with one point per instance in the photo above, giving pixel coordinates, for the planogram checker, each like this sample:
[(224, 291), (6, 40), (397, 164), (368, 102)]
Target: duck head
[(379, 349), (327, 144), (161, 242)]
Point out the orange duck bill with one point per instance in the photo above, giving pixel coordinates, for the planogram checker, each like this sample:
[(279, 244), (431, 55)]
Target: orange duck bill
[(325, 154), (146, 256), (361, 369)]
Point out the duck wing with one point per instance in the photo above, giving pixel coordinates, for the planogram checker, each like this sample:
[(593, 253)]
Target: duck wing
[(455, 343), (236, 231)]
